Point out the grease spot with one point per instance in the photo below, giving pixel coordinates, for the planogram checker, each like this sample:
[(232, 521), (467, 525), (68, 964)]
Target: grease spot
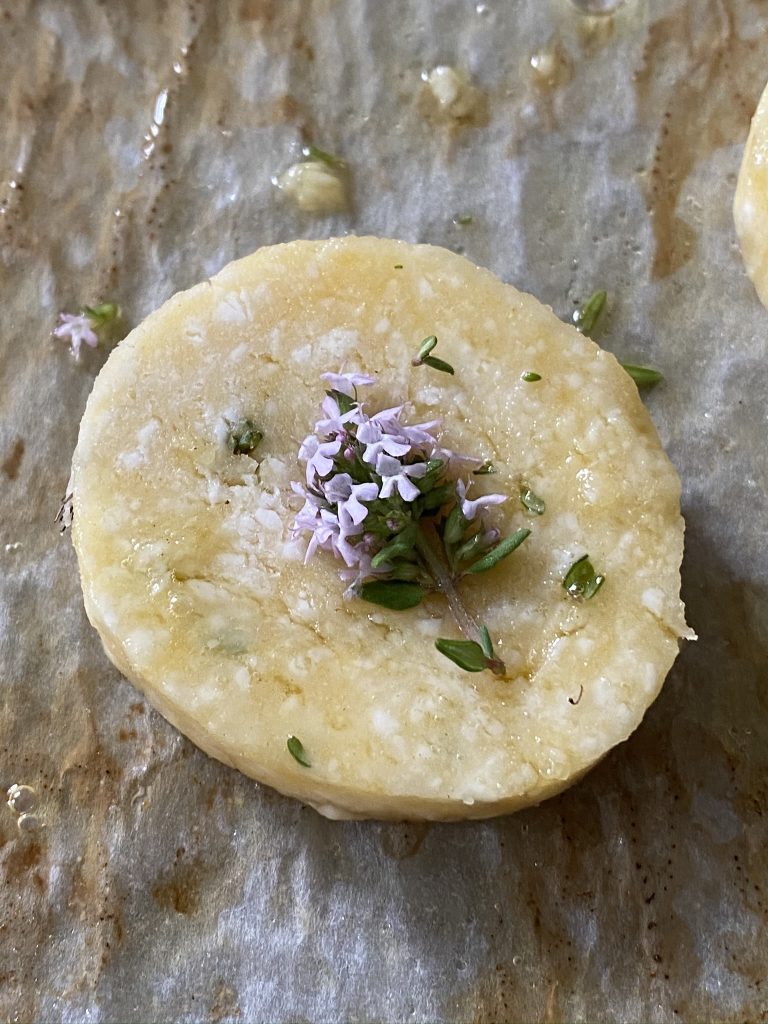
[(12, 463), (180, 891), (403, 841)]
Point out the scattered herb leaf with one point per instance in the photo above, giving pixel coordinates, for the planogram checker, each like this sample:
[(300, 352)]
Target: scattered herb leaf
[(530, 377), (587, 315), (486, 469), (643, 376), (395, 594), (398, 266), (532, 501), (423, 358), (320, 155), (438, 364), (463, 219), (425, 348), (581, 580), (296, 750), (502, 549), (244, 437)]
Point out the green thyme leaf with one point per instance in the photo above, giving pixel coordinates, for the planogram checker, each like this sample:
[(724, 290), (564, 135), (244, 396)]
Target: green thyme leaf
[(581, 580), (486, 469), (643, 376), (435, 469), (244, 437), (344, 402), (530, 377), (464, 653), (463, 219), (502, 549), (438, 364), (455, 525), (296, 750), (395, 594), (398, 266), (401, 545), (587, 315), (532, 501), (485, 642), (320, 155), (437, 496), (402, 570), (426, 347), (471, 548)]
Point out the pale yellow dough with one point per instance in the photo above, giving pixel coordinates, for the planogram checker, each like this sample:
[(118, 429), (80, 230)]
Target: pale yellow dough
[(200, 594), (750, 205)]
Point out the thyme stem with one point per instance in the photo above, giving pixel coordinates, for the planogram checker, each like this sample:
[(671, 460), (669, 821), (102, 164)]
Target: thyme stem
[(430, 548)]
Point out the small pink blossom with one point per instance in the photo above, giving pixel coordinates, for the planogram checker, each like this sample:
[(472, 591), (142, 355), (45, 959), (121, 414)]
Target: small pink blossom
[(376, 441), (327, 535), (469, 506), (336, 421), (357, 574), (76, 330), (397, 476), (342, 490), (318, 456)]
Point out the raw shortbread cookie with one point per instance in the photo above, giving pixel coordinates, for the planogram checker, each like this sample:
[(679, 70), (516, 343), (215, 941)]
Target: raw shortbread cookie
[(750, 205), (199, 590)]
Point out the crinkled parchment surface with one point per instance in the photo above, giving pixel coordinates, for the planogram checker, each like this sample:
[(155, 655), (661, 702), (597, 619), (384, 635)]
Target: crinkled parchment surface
[(138, 142)]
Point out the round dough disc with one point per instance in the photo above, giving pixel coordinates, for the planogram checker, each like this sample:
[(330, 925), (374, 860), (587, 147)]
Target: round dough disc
[(200, 593), (750, 204)]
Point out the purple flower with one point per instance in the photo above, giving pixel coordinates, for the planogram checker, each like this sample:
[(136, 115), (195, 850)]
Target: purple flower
[(418, 434), (318, 456), (389, 419), (327, 535), (397, 476), (355, 575), (343, 490), (470, 506), (76, 330), (336, 421), (454, 462), (376, 441), (346, 383)]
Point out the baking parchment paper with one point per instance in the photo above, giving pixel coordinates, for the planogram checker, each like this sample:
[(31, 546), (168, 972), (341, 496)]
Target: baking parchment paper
[(138, 144)]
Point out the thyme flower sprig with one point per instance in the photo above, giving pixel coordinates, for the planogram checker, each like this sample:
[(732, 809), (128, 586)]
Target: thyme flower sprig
[(85, 326), (395, 507)]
